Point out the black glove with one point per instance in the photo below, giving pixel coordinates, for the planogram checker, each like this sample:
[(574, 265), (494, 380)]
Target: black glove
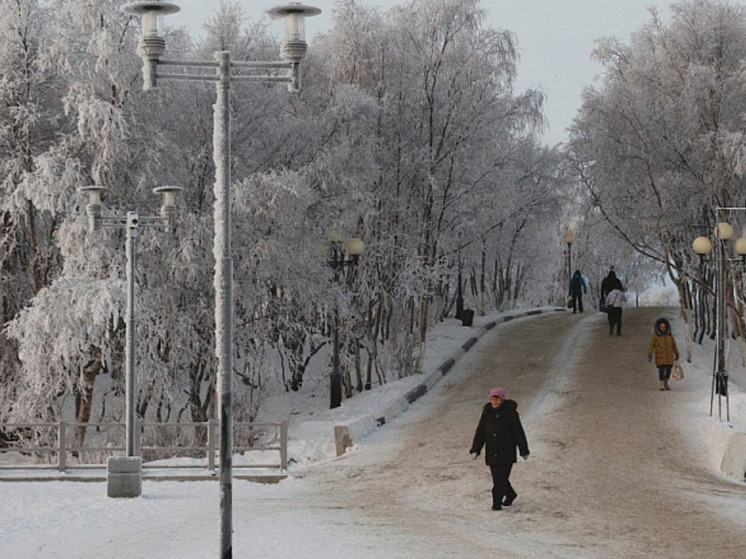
[(475, 453)]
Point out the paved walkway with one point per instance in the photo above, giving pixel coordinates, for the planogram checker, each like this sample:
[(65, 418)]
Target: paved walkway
[(613, 472)]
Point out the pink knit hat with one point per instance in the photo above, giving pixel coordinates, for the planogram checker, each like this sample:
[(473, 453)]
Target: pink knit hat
[(499, 392)]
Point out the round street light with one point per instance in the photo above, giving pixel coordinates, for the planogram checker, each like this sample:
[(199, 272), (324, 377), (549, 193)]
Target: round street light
[(724, 231), (294, 44), (740, 247), (702, 246), (355, 247), (151, 17)]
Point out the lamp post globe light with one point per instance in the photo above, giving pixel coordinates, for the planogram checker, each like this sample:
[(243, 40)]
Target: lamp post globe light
[(702, 246), (286, 70), (338, 262), (125, 475)]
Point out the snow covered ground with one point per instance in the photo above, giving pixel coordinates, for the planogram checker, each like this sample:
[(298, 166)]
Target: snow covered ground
[(618, 469)]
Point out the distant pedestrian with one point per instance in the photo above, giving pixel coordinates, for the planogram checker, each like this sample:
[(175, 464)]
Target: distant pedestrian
[(614, 301), (576, 289), (500, 432), (610, 282), (663, 346)]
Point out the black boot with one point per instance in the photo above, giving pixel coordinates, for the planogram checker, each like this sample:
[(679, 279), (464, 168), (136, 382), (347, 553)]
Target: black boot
[(509, 499)]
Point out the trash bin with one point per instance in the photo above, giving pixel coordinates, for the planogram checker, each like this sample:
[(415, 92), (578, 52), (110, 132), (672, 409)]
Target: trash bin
[(467, 317)]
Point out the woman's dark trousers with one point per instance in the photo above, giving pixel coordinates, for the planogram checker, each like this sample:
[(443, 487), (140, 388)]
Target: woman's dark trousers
[(577, 302), (500, 483), (664, 372), (615, 318)]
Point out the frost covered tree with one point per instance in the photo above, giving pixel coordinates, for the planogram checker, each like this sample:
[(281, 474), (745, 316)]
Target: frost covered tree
[(77, 318), (408, 134), (440, 130), (29, 123), (660, 145)]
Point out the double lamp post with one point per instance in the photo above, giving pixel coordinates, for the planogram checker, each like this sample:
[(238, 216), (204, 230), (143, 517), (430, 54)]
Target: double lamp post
[(224, 71), (125, 475), (702, 246)]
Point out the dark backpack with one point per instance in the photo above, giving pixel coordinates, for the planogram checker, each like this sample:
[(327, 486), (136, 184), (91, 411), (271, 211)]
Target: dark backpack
[(575, 285)]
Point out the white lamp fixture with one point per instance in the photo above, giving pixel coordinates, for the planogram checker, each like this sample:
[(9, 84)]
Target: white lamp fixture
[(724, 231), (168, 193), (93, 208), (295, 15), (740, 247), (355, 247), (294, 45), (152, 41), (702, 246)]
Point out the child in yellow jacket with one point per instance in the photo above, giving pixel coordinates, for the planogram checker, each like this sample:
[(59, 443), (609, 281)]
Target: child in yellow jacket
[(663, 346)]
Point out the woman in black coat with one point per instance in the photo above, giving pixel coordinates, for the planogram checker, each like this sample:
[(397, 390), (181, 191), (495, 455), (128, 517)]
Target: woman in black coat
[(500, 433)]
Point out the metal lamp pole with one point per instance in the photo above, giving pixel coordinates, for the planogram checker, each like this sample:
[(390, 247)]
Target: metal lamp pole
[(355, 248), (152, 46), (132, 222), (569, 240), (702, 246), (722, 234)]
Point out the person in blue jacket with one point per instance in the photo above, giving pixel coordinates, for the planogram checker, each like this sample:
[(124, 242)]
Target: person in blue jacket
[(500, 433), (576, 288)]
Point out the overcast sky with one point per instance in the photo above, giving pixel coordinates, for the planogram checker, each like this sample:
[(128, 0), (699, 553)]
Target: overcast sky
[(555, 37)]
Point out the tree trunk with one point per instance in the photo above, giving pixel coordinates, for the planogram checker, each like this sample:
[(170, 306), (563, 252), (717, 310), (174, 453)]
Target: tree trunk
[(84, 397)]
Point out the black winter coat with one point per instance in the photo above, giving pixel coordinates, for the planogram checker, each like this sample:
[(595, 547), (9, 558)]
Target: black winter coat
[(500, 432)]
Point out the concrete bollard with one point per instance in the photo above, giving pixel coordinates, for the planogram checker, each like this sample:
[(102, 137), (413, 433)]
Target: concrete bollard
[(342, 438), (733, 463), (124, 476)]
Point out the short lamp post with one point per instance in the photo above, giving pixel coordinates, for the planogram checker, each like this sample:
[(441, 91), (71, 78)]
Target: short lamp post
[(702, 246), (569, 240), (287, 71), (338, 263), (125, 479)]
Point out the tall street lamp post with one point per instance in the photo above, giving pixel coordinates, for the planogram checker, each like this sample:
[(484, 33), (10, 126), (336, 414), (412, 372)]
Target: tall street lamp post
[(702, 246), (459, 292), (569, 240), (124, 479), (287, 70), (338, 263)]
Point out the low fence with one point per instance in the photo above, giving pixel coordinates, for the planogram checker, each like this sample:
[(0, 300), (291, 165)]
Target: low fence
[(56, 446)]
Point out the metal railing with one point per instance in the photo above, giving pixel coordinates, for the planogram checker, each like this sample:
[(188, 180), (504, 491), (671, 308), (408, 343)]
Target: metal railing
[(70, 454)]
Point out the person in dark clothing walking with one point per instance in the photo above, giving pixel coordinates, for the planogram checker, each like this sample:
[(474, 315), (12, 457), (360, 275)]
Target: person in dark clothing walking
[(610, 282), (500, 432), (576, 289)]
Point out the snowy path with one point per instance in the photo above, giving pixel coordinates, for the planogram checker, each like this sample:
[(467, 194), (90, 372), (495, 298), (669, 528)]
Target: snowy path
[(616, 472), (611, 473)]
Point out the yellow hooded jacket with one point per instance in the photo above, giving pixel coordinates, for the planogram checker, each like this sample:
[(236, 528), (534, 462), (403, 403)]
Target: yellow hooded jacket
[(663, 345)]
